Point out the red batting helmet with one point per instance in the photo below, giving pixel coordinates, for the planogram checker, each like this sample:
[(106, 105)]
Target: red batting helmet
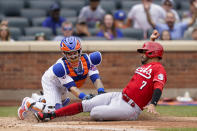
[(152, 49)]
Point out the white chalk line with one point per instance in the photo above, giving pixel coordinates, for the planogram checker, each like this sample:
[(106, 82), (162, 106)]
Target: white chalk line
[(93, 127)]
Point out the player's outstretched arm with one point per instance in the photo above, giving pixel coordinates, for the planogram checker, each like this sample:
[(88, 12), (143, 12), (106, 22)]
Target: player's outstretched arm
[(76, 92), (155, 98), (99, 86), (154, 35), (151, 108)]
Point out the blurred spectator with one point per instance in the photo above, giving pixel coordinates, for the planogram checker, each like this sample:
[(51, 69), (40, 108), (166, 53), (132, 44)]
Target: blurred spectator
[(194, 34), (176, 29), (108, 29), (90, 17), (5, 34), (40, 36), (165, 35), (168, 7), (54, 20), (4, 23), (187, 15), (120, 17), (137, 15), (67, 30)]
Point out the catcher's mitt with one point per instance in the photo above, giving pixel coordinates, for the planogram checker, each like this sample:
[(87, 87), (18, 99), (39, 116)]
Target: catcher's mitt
[(89, 96)]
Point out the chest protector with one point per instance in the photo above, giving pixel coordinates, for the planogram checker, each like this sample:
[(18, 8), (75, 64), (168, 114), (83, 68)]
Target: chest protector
[(79, 79)]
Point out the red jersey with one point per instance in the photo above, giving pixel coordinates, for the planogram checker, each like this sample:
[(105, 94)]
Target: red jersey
[(140, 88)]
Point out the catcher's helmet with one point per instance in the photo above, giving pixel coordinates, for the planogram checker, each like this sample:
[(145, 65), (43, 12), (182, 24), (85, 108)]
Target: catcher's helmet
[(71, 48), (152, 49), (70, 44)]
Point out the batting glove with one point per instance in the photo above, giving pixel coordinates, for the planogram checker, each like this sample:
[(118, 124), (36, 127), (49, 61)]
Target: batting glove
[(44, 116)]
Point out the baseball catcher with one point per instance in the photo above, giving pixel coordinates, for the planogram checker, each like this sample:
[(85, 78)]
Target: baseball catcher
[(68, 74)]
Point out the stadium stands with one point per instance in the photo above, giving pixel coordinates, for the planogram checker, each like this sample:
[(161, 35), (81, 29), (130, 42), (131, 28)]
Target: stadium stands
[(19, 22), (68, 13), (72, 4), (32, 13), (15, 33), (26, 16), (31, 31), (26, 38), (126, 5), (133, 33), (11, 7), (38, 21), (108, 6), (1, 17), (93, 31), (41, 4)]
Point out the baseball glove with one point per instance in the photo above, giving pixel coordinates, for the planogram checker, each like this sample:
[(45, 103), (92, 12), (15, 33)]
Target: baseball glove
[(88, 97)]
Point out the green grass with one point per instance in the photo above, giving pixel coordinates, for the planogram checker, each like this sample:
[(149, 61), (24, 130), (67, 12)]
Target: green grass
[(177, 129), (181, 111), (10, 111), (184, 111)]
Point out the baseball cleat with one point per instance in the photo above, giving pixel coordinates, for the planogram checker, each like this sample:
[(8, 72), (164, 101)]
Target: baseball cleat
[(22, 110), (44, 116), (38, 116)]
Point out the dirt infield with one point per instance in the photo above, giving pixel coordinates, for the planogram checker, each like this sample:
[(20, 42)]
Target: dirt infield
[(84, 123)]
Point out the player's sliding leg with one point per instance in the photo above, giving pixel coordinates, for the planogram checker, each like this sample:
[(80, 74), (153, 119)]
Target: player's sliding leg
[(103, 99), (75, 108), (114, 109), (118, 109), (69, 110), (29, 104)]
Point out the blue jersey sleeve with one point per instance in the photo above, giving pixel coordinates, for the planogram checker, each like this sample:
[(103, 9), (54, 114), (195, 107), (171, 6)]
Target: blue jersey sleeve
[(94, 77), (69, 85)]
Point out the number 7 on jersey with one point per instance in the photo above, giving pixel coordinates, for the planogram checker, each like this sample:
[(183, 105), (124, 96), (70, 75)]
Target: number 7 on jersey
[(143, 85)]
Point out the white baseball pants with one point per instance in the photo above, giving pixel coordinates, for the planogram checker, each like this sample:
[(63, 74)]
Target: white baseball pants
[(110, 106)]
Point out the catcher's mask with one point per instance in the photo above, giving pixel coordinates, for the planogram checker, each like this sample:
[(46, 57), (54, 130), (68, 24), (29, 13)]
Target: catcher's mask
[(71, 48)]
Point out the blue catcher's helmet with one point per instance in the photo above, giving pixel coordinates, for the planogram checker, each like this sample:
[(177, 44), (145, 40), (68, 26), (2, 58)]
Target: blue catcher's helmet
[(71, 47), (70, 44)]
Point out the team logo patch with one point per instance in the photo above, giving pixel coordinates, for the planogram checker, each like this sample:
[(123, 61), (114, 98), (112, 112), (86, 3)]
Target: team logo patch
[(160, 76)]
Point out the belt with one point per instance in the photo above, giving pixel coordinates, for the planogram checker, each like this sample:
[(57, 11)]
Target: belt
[(128, 100)]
